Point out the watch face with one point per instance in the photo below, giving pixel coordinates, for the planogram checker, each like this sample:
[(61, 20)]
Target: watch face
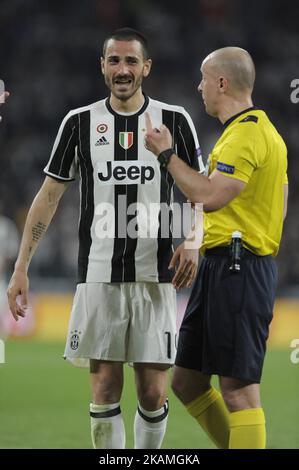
[(163, 159)]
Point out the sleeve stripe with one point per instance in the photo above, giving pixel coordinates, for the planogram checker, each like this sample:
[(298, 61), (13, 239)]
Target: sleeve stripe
[(57, 177), (197, 146), (61, 158), (187, 153), (192, 127), (173, 125), (57, 140), (67, 145), (83, 160)]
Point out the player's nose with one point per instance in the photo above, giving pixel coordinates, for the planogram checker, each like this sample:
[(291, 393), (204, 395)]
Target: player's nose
[(122, 68)]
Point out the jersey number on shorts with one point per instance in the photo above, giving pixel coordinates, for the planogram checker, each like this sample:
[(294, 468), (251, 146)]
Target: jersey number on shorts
[(168, 339)]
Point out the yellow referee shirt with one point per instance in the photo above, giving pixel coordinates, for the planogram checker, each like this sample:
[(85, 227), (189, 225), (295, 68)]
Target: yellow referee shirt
[(251, 150)]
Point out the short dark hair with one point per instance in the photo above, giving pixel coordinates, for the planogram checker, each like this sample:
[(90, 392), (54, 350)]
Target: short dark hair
[(128, 34)]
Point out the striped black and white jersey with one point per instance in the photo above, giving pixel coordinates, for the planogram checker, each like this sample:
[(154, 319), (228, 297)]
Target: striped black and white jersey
[(122, 188)]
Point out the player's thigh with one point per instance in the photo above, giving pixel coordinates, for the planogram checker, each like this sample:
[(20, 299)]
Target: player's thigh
[(107, 379), (239, 394), (99, 323), (188, 384), (153, 323)]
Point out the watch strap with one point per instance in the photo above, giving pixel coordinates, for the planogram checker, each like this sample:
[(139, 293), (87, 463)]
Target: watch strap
[(164, 157)]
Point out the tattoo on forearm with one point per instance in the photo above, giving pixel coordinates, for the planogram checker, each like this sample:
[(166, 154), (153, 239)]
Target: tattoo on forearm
[(38, 231)]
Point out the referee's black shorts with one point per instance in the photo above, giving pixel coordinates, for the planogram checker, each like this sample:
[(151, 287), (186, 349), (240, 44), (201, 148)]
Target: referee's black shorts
[(226, 324)]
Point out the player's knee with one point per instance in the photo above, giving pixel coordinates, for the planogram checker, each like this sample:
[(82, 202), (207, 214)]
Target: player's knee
[(152, 398), (239, 395), (185, 391), (234, 400), (179, 388), (106, 390)]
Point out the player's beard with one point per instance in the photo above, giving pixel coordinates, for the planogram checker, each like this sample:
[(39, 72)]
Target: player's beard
[(124, 96)]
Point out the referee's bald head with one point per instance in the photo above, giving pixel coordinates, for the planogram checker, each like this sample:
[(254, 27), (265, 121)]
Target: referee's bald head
[(235, 64)]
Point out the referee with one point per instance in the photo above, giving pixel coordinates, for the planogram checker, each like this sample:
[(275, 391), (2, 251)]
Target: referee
[(226, 324)]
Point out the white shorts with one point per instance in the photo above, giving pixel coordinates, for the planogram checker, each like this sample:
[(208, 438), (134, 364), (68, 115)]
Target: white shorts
[(126, 322)]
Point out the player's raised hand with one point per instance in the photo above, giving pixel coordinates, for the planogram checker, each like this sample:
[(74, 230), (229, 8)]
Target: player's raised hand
[(3, 98), (156, 140), (18, 285)]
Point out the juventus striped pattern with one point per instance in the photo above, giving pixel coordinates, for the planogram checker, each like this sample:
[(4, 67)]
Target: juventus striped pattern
[(106, 150)]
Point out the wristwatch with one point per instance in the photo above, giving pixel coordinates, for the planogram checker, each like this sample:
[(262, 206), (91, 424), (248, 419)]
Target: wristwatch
[(164, 157)]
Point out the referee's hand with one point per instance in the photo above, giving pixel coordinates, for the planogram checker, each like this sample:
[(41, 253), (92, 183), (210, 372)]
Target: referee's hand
[(186, 261), (3, 97), (19, 285)]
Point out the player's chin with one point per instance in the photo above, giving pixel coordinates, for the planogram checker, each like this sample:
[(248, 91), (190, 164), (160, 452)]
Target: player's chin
[(124, 95)]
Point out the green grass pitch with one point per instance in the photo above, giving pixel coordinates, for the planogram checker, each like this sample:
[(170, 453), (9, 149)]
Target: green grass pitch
[(44, 402)]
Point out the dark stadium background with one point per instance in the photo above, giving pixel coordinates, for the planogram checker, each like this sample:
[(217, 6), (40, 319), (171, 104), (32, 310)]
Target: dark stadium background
[(49, 61)]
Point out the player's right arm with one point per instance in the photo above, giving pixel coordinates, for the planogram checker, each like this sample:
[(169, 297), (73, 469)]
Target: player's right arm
[(38, 220)]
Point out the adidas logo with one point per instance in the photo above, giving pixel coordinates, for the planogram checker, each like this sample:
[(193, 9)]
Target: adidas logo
[(102, 141)]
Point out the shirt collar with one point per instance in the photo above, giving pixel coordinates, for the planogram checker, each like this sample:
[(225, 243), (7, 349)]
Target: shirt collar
[(140, 111), (231, 119)]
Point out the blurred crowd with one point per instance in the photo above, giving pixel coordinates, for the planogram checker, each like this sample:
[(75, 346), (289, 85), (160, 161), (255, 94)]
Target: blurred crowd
[(49, 61)]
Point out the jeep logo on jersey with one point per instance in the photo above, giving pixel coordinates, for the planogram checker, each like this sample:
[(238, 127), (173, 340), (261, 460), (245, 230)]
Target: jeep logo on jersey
[(126, 172), (126, 139)]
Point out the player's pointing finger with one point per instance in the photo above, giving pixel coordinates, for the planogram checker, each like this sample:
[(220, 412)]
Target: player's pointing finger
[(148, 123)]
